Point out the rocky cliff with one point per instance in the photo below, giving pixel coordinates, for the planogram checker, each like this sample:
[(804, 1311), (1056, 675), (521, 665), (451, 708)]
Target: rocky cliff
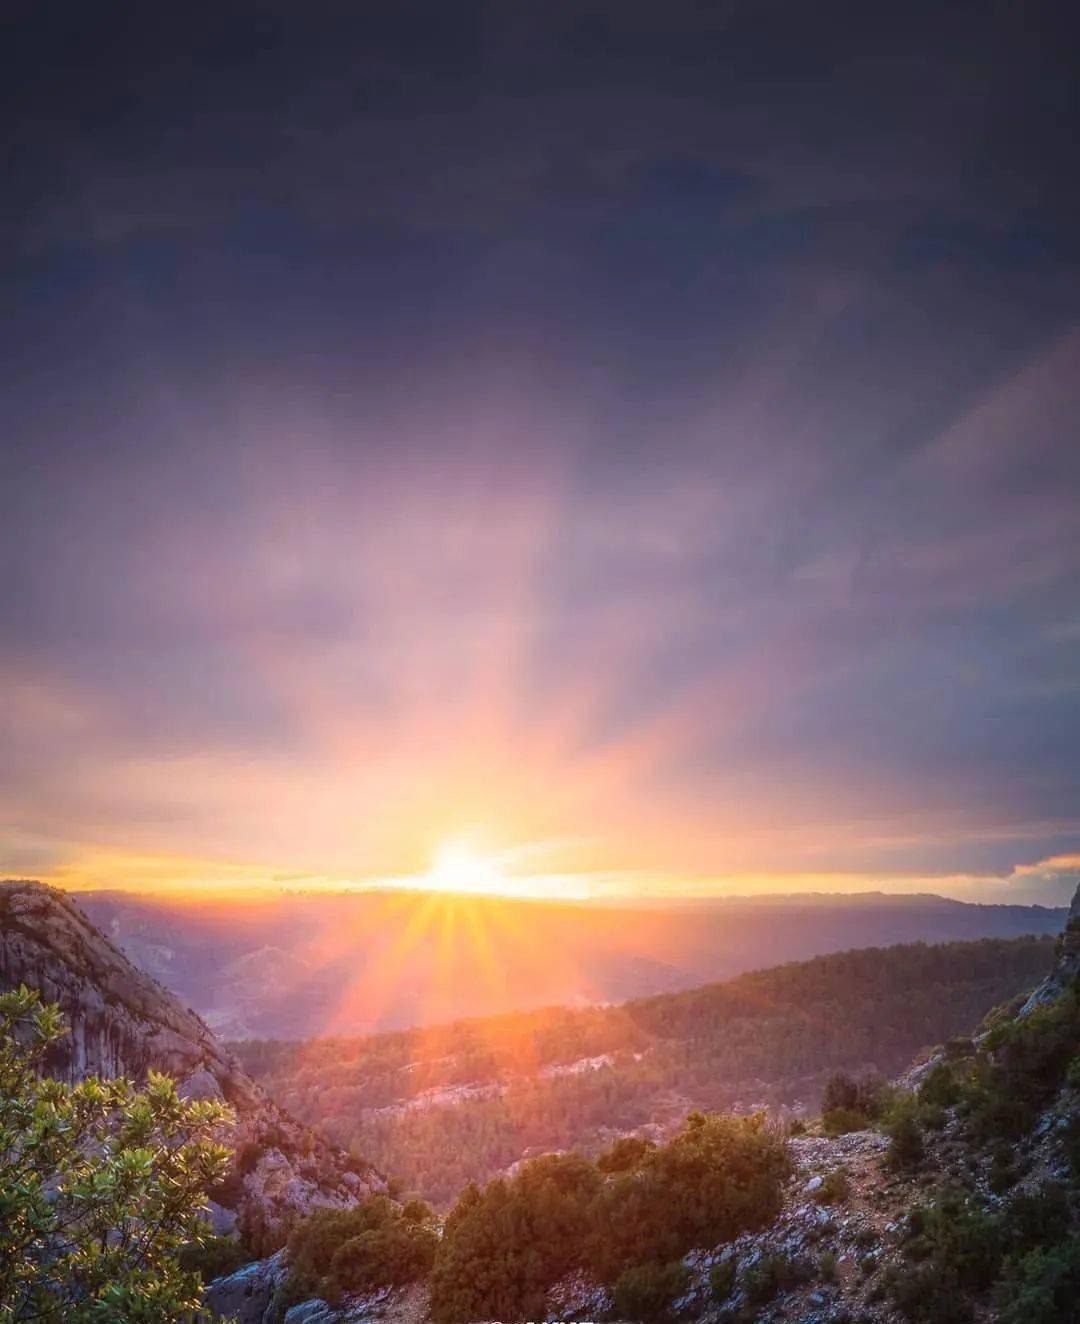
[(122, 1022), (1066, 962)]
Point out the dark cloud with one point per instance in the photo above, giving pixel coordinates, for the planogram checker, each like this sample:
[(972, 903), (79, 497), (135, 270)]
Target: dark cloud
[(706, 371)]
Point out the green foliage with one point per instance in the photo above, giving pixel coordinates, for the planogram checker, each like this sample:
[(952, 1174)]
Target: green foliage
[(1003, 1174), (1042, 1287), (1037, 1219), (827, 1266), (839, 1121), (504, 1246), (722, 1280), (834, 1188), (923, 1295), (101, 1185), (774, 1274), (646, 1292), (625, 1154), (959, 1251), (939, 1087), (843, 1093), (213, 1257), (906, 1150), (1026, 1062), (371, 1245)]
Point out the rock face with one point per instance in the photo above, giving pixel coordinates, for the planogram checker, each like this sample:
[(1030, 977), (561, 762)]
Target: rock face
[(1066, 964), (122, 1022)]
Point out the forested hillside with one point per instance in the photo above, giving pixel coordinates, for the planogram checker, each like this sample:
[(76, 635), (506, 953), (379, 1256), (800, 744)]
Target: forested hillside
[(443, 1105)]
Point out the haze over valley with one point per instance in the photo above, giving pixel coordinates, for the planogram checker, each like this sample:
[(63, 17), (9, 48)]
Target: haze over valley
[(287, 966)]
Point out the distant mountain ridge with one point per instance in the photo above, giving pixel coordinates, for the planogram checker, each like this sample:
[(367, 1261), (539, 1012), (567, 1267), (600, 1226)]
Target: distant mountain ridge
[(294, 965)]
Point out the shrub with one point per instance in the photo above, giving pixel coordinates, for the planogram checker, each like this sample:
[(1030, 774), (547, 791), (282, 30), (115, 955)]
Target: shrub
[(101, 1185), (359, 1249), (722, 1280), (939, 1087), (1030, 1060), (625, 1154), (958, 1251), (717, 1177), (1043, 1287), (926, 1295), (827, 1267), (503, 1247), (1037, 1219), (1002, 1175), (843, 1093), (839, 1121), (647, 1292), (213, 1257), (906, 1149), (773, 1274), (834, 1188)]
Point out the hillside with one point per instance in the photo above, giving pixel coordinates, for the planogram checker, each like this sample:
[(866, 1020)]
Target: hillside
[(295, 965), (122, 1022), (950, 1196), (444, 1105)]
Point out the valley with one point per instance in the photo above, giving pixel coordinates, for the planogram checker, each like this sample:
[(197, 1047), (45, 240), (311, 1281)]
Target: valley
[(444, 1105)]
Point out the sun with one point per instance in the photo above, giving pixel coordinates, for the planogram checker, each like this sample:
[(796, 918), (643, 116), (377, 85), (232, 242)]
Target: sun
[(458, 869)]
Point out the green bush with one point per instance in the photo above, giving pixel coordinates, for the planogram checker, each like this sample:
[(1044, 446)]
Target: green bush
[(625, 1154), (213, 1257), (774, 1274), (834, 1188), (646, 1293), (1042, 1287), (827, 1266), (1003, 1174), (939, 1087), (843, 1093), (839, 1121), (925, 1295), (906, 1150), (1028, 1061), (503, 1247), (1037, 1219), (101, 1185), (722, 1280), (362, 1248)]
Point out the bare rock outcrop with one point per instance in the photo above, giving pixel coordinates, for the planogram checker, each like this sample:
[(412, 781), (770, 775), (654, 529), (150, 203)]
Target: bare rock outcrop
[(1066, 965), (123, 1022)]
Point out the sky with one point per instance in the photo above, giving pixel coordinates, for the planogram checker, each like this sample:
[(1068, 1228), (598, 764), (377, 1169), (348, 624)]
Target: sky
[(597, 449)]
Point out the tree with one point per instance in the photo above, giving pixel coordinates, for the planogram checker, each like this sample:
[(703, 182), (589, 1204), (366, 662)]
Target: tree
[(101, 1185)]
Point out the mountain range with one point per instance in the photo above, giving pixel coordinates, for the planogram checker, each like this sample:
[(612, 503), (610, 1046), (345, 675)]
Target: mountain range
[(296, 965)]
